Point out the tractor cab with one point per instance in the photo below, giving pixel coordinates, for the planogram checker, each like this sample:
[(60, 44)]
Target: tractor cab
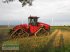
[(33, 20)]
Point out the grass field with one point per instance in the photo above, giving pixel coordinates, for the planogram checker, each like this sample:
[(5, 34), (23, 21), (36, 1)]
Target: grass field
[(57, 41)]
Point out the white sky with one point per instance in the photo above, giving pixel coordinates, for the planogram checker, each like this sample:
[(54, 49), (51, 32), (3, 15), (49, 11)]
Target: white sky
[(13, 12)]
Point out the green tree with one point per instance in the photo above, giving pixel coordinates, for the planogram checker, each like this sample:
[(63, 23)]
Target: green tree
[(24, 2)]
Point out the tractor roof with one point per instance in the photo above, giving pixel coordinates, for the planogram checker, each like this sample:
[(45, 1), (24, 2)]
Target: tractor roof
[(33, 17)]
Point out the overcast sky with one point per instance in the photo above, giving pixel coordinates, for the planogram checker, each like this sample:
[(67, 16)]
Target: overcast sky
[(53, 12)]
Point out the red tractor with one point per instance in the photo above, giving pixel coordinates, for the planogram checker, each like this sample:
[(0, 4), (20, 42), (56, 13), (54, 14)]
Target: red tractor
[(32, 28)]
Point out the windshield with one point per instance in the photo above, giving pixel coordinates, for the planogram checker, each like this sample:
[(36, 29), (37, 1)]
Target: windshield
[(32, 21)]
